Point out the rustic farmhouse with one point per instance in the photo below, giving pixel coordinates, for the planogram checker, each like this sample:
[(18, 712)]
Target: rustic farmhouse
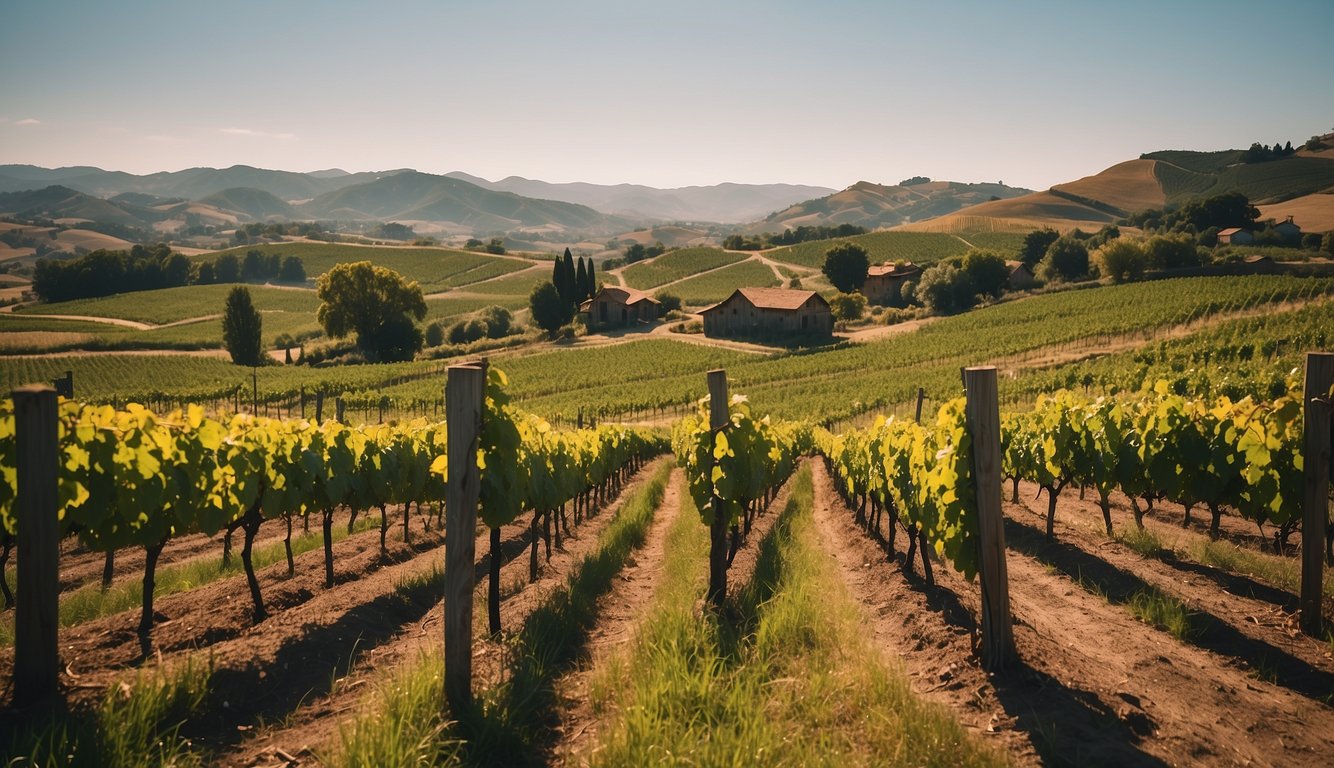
[(1289, 231), (1235, 236), (616, 307), (1021, 276), (769, 313), (884, 281)]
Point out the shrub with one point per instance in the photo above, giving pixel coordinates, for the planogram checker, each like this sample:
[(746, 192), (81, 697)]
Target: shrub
[(848, 306), (1067, 259), (670, 301), (1172, 252), (499, 321), (945, 288), (435, 334), (1122, 260)]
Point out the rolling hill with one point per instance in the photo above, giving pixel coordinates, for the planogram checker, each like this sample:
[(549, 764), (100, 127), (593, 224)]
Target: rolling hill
[(1290, 186), (189, 184), (875, 205), (412, 196), (254, 203)]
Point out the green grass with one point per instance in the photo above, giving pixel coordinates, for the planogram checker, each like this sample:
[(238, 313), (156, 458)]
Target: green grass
[(1007, 243), (919, 247), (517, 284), (1143, 541), (676, 265), (717, 285), (402, 724), (1163, 611), (90, 602), (136, 724), (788, 678), (1282, 572)]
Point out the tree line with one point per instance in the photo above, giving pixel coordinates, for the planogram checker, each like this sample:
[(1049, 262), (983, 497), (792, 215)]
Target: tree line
[(555, 303), (145, 268)]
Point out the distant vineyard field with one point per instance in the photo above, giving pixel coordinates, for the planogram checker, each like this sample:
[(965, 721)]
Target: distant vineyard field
[(170, 305), (676, 265), (719, 284), (919, 247), (436, 269)]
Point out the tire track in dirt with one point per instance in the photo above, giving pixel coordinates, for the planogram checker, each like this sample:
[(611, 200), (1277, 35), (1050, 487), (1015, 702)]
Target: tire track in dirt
[(313, 724), (619, 613)]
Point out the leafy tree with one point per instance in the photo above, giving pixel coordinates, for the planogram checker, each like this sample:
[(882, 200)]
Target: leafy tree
[(374, 303), (1122, 259), (1327, 243), (846, 265), (496, 246), (1172, 252), (1067, 259), (206, 276), (670, 302), (227, 268), (550, 311), (293, 270), (396, 340), (986, 271), (176, 270), (253, 268), (945, 288), (848, 306), (241, 327), (1311, 241), (499, 321), (435, 335), (1036, 244), (635, 252)]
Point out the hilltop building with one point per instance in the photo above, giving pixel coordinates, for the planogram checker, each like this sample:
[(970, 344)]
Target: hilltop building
[(769, 313), (884, 281), (616, 307)]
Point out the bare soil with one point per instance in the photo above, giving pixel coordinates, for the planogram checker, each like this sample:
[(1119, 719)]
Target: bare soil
[(1093, 684)]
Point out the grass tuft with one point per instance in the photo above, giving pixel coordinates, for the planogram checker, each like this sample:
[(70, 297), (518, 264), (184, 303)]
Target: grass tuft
[(1164, 612)]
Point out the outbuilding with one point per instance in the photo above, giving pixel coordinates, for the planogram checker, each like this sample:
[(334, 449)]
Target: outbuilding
[(772, 313), (885, 281), (616, 307)]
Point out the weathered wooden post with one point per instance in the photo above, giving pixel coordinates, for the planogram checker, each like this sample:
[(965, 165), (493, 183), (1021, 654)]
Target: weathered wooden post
[(36, 653), (983, 413), (340, 410), (1315, 507), (464, 391), (718, 420), (319, 406)]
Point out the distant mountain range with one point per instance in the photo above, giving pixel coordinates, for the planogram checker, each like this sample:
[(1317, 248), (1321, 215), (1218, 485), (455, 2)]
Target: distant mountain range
[(722, 203)]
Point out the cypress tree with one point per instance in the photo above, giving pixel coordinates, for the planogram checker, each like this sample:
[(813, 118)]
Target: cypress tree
[(580, 282), (571, 288), (558, 276), (592, 285)]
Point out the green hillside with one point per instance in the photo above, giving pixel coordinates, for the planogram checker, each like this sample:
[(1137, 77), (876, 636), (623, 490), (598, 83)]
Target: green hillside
[(255, 203), (1188, 175), (919, 247)]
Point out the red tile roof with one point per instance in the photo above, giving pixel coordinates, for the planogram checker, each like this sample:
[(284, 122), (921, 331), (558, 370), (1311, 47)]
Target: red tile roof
[(894, 270)]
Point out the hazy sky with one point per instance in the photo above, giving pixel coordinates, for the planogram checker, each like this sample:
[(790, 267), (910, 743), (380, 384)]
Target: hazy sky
[(667, 94)]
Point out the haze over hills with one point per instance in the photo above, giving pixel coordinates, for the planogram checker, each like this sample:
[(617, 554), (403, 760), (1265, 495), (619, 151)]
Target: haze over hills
[(725, 203), (876, 205)]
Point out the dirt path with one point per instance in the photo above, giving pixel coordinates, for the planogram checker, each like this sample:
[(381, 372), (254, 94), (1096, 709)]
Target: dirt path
[(1094, 684), (619, 614), (136, 325), (625, 606), (311, 726)]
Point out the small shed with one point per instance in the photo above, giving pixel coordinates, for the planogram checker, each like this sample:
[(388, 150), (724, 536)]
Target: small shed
[(1260, 264), (1021, 276), (1235, 236), (884, 281), (769, 313), (616, 307)]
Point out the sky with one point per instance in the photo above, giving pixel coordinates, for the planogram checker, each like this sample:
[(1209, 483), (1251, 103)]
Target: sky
[(665, 93)]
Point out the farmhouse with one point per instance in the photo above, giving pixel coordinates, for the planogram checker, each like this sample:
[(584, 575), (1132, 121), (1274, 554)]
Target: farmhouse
[(884, 281), (1289, 231), (1235, 236), (769, 313), (1021, 276), (615, 307)]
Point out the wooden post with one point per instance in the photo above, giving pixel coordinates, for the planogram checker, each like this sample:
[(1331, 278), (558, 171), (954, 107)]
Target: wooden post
[(340, 410), (984, 426), (464, 390), (718, 420), (1315, 507), (36, 653), (319, 406)]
